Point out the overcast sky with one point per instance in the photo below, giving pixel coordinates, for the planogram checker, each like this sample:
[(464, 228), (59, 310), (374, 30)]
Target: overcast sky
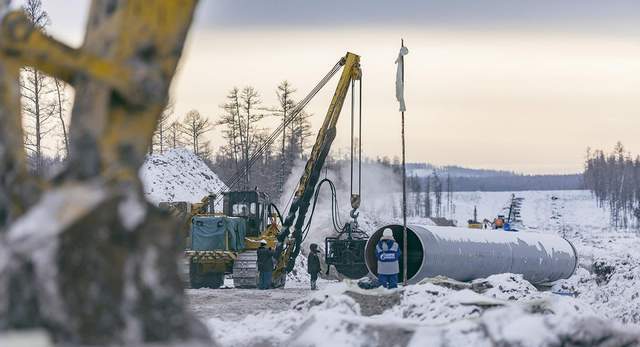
[(517, 85)]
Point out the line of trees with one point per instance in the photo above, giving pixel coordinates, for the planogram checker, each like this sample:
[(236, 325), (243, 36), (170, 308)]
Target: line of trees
[(518, 183), (243, 131), (424, 194), (614, 179), (242, 124), (46, 100), (44, 104)]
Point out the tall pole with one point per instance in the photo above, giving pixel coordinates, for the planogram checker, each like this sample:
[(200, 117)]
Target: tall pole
[(284, 127), (404, 192)]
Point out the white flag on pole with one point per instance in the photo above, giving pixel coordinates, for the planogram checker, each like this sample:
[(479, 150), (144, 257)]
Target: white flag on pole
[(400, 77)]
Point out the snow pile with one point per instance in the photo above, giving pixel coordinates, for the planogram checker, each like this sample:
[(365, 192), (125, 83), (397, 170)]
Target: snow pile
[(428, 302), (609, 273), (500, 310), (265, 328), (525, 325), (506, 287), (298, 277), (441, 300), (178, 175)]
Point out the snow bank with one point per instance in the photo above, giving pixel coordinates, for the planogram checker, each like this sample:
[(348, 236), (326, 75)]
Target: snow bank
[(272, 329), (503, 309), (298, 277), (178, 175), (609, 273)]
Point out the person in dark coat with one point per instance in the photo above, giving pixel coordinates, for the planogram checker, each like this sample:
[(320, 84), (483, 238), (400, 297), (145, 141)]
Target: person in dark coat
[(265, 265), (313, 265)]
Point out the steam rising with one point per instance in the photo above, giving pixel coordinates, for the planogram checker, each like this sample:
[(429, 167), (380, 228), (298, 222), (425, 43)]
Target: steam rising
[(379, 188)]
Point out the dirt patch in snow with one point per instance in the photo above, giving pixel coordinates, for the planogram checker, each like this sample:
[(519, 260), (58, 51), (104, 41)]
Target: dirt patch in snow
[(374, 304), (235, 304)]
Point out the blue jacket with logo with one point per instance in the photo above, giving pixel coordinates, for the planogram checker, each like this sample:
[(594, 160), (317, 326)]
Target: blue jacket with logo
[(388, 253)]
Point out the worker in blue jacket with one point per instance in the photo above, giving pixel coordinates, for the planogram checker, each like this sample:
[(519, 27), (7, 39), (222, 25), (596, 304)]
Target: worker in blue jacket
[(388, 253)]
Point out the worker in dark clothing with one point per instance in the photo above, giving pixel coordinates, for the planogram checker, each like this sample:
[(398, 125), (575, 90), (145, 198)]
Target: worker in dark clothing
[(265, 265), (313, 265)]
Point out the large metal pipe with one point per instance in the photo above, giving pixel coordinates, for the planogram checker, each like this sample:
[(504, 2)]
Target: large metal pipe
[(465, 254)]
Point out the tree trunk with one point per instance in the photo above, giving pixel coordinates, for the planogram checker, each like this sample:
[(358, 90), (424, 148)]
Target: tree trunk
[(61, 116), (92, 263), (36, 97)]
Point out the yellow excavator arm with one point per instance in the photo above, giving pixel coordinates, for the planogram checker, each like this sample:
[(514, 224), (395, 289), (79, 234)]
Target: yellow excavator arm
[(289, 242)]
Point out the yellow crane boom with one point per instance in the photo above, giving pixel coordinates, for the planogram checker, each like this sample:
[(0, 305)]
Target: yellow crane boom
[(306, 186)]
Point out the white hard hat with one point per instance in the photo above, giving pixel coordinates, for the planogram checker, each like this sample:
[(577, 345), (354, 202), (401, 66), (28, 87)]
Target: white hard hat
[(387, 234), (263, 242)]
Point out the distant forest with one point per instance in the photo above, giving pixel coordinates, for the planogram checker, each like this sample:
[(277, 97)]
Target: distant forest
[(614, 179), (467, 179), (517, 183)]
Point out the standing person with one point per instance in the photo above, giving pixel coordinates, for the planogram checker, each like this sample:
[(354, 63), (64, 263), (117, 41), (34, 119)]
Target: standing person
[(265, 265), (313, 265), (388, 253)]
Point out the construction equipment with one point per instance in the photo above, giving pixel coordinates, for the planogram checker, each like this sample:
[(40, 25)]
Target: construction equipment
[(462, 255), (212, 255), (474, 223), (513, 218), (226, 242)]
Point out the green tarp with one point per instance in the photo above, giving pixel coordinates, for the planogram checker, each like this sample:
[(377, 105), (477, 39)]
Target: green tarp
[(209, 233)]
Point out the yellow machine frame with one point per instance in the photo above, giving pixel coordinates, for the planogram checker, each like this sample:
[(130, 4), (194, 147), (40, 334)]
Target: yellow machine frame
[(220, 260)]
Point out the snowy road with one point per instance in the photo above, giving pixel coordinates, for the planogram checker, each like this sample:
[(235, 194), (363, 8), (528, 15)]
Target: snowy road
[(235, 304)]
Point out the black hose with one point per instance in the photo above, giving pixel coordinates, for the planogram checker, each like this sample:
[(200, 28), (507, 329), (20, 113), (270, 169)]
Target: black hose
[(335, 217)]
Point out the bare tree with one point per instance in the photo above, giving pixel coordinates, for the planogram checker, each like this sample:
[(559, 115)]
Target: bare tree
[(159, 140), (614, 179), (232, 127), (37, 106), (437, 189), (450, 207), (285, 104), (62, 100), (194, 126), (249, 117), (174, 135), (301, 132), (427, 198)]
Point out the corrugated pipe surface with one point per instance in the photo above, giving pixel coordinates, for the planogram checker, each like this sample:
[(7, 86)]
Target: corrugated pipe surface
[(466, 254)]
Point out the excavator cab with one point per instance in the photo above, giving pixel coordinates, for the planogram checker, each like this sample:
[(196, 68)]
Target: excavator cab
[(250, 205)]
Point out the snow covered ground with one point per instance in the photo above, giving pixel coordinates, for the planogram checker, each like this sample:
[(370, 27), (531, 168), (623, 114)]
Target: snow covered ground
[(602, 308)]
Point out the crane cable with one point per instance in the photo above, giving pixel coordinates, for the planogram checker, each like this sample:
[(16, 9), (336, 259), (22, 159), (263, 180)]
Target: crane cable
[(335, 211), (359, 136), (295, 112), (335, 216)]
